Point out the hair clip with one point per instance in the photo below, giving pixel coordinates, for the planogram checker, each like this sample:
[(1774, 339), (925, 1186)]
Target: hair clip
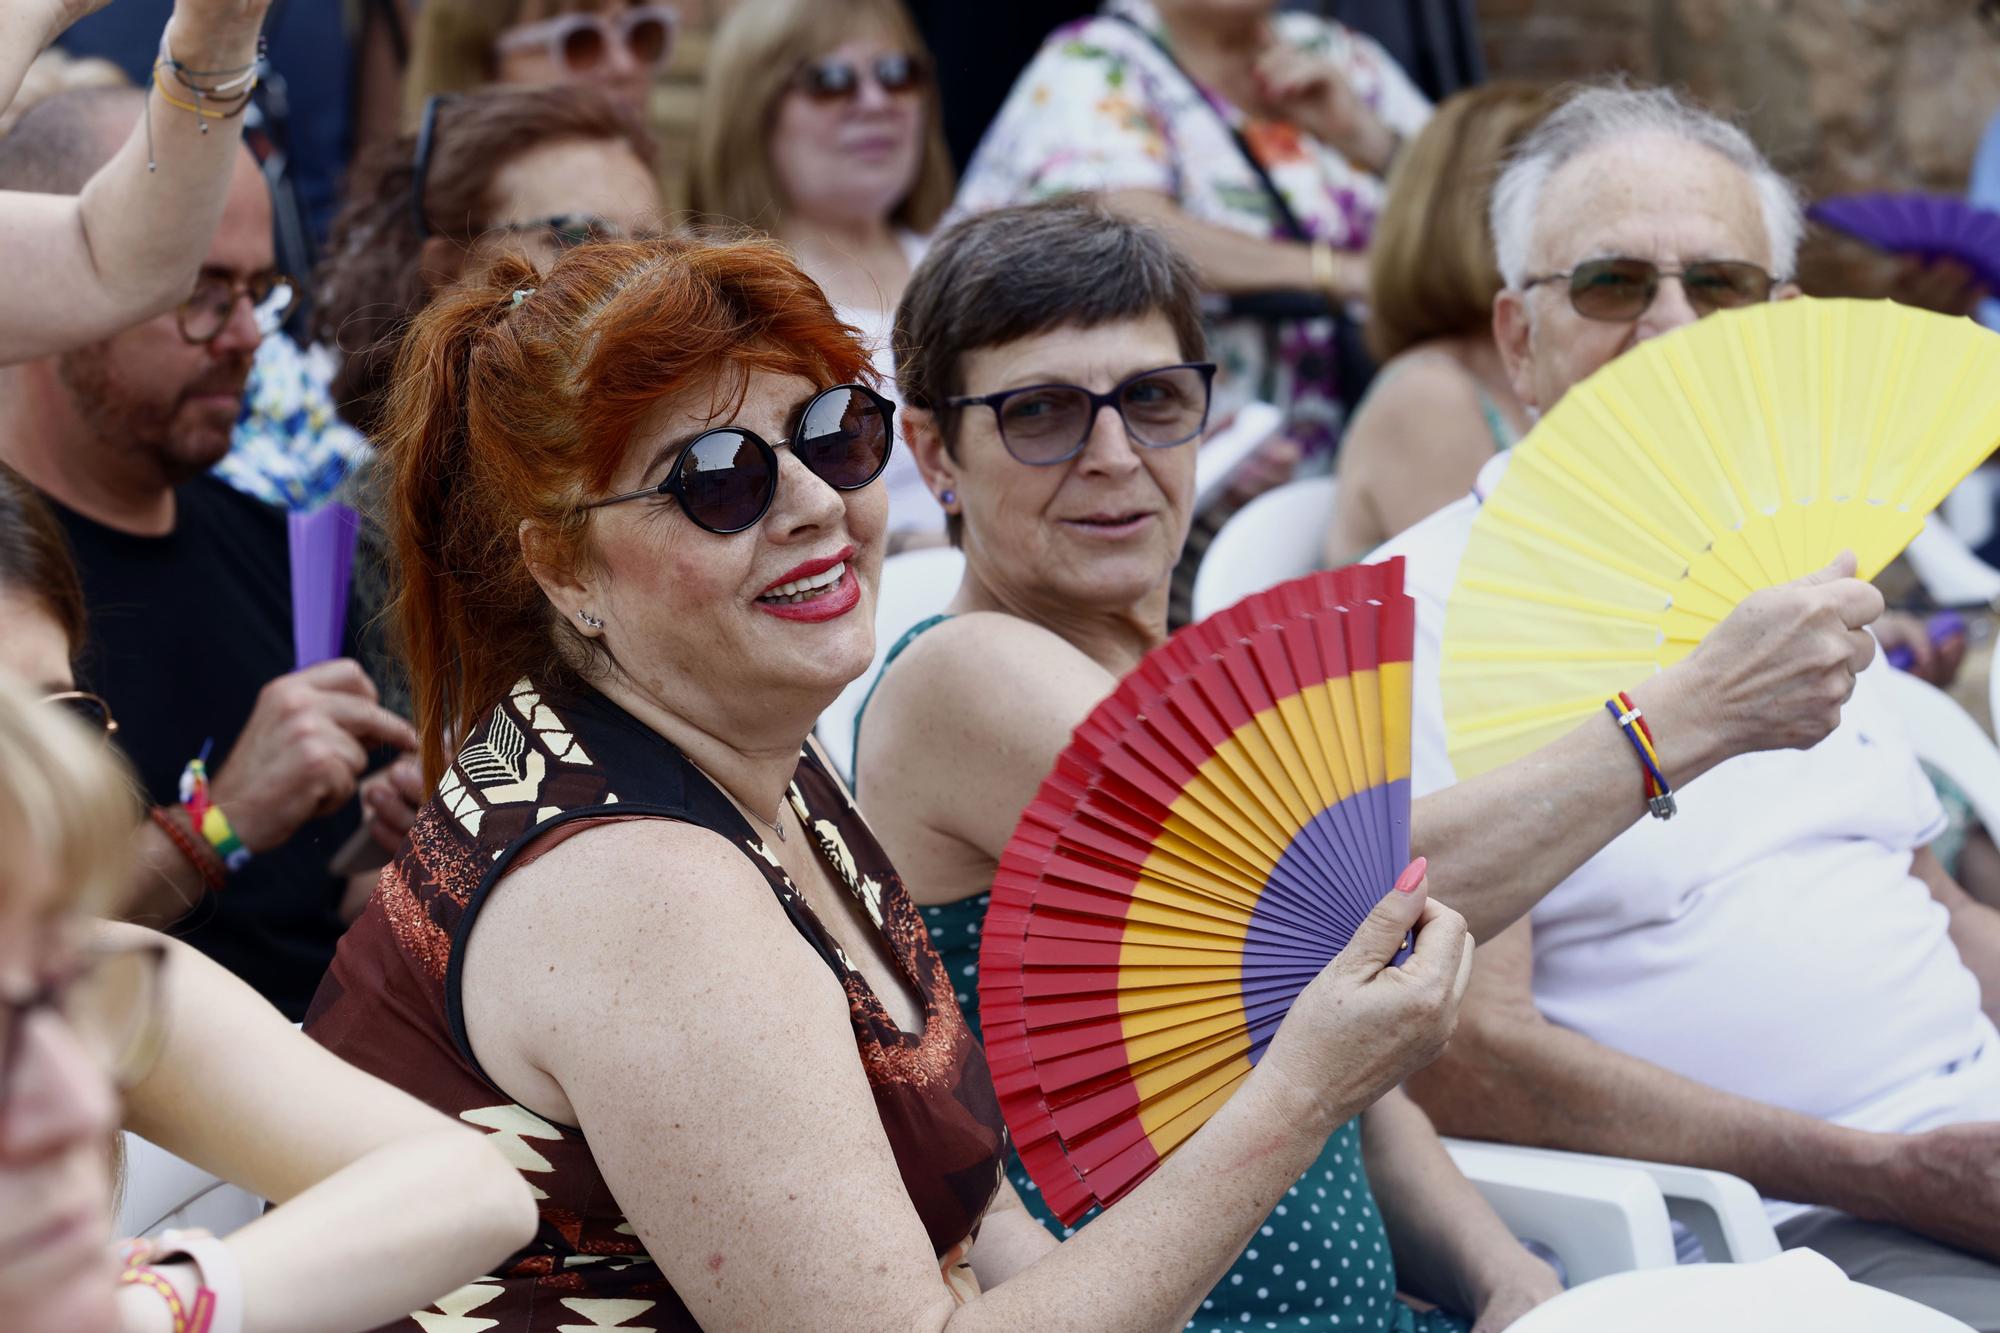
[(521, 294)]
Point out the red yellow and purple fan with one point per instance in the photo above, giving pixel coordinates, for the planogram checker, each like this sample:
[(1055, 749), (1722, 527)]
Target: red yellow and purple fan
[(1743, 451), (1214, 833)]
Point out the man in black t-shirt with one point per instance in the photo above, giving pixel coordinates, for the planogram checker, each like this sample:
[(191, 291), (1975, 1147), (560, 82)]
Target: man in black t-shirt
[(188, 588)]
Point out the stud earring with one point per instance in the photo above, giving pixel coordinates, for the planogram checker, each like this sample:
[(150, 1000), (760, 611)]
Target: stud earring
[(948, 497), (589, 619)]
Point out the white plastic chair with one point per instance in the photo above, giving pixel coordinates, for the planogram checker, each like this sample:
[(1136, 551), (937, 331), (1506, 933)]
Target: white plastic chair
[(163, 1192), (1946, 737), (915, 586), (1949, 570), (1603, 1215), (1277, 536)]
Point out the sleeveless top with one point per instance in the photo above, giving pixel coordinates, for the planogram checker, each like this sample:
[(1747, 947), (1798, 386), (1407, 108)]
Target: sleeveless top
[(533, 770), (1320, 1261)]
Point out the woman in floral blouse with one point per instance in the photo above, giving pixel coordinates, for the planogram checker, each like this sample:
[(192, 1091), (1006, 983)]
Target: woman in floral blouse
[(1257, 140)]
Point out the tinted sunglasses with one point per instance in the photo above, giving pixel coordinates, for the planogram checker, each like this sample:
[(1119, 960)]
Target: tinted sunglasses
[(89, 709), (1621, 290), (581, 43), (840, 80), (725, 479), (1045, 424)]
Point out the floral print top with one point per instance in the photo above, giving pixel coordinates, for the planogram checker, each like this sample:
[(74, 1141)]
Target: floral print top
[(1103, 108)]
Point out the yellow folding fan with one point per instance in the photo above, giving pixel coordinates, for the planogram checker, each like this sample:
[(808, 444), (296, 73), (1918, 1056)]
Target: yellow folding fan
[(1744, 451)]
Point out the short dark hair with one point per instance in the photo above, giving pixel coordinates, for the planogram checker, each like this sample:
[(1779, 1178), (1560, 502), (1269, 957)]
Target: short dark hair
[(35, 559), (60, 142), (1015, 272)]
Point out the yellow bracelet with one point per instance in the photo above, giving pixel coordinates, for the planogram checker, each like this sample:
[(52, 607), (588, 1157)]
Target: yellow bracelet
[(238, 101), (146, 1277)]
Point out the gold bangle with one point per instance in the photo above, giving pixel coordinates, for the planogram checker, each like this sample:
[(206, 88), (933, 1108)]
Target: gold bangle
[(1325, 270)]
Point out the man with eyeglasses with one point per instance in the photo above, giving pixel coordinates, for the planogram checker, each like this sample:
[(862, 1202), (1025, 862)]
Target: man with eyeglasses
[(1781, 982), (187, 586)]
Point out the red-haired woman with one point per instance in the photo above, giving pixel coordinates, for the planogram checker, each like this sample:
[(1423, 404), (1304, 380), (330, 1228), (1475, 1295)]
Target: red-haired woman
[(640, 934)]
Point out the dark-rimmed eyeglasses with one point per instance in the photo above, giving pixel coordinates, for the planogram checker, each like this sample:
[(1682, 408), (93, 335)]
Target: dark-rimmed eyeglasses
[(205, 314), (724, 479), (840, 80), (1045, 424), (1620, 290), (109, 999), (420, 169), (89, 709), (581, 43), (566, 231)]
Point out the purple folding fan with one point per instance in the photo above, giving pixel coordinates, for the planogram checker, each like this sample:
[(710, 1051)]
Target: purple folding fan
[(322, 547), (1935, 226)]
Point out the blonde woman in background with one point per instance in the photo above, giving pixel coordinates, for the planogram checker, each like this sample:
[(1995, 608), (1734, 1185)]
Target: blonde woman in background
[(819, 125), (1441, 405), (615, 45)]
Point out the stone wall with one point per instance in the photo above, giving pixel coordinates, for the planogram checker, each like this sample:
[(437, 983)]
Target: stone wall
[(1845, 95)]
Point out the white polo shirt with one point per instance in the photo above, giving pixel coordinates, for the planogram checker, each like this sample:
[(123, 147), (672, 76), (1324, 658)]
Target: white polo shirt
[(1769, 940)]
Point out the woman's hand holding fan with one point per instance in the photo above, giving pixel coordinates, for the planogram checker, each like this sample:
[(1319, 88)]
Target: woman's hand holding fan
[(1362, 1026), (1221, 841)]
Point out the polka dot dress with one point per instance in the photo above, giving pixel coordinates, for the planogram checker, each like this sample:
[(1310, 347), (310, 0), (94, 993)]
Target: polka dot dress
[(1321, 1259)]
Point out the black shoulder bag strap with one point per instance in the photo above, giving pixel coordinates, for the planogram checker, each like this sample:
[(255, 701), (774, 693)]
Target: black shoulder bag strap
[(1288, 221), (1352, 364)]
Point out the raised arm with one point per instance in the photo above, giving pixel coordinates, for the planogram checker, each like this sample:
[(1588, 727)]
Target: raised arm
[(128, 247), (1772, 676), (1512, 1075), (730, 1114), (374, 1183)]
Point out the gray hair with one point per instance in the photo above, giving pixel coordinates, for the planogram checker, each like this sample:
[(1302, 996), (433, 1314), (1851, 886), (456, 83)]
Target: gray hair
[(1599, 114)]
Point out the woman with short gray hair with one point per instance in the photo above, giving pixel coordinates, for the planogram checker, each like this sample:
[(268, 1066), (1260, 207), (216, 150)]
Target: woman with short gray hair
[(1012, 334)]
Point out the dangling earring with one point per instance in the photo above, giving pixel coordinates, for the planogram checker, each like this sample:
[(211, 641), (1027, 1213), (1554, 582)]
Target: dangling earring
[(948, 497), (589, 619)]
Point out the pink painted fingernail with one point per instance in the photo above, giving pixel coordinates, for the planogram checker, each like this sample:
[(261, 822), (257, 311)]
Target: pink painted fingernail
[(1413, 875)]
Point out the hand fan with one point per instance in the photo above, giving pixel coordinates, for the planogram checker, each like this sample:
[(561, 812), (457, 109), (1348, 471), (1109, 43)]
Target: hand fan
[(1933, 225), (1743, 451), (322, 551), (1213, 834)]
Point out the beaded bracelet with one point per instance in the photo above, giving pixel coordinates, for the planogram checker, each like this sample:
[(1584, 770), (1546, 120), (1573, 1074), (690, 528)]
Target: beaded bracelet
[(233, 91), (178, 825), (1660, 802), (151, 1280)]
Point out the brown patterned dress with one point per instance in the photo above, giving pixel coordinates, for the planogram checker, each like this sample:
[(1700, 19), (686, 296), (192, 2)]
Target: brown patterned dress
[(532, 768)]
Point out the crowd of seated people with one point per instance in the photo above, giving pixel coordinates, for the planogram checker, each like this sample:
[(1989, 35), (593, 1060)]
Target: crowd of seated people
[(621, 1008)]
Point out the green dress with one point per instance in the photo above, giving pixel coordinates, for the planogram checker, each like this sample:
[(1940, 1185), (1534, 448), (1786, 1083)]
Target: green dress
[(1321, 1260)]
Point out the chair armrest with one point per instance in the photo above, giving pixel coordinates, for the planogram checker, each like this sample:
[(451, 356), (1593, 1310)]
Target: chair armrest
[(161, 1191), (1723, 1211), (1598, 1215)]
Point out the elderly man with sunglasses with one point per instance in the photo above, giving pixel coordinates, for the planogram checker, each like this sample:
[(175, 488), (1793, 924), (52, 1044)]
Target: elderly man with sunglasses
[(1781, 982)]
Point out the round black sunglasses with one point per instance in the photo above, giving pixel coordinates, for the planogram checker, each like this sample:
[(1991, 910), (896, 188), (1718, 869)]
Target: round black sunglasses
[(725, 478)]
